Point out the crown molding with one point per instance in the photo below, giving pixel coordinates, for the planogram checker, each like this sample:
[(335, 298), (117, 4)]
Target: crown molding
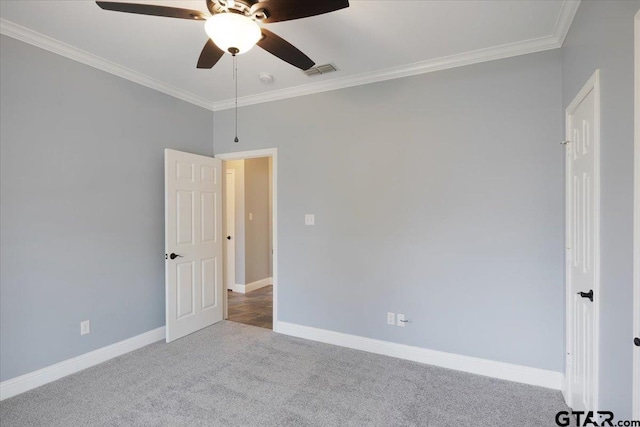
[(438, 64), (565, 19), (554, 41), (34, 38)]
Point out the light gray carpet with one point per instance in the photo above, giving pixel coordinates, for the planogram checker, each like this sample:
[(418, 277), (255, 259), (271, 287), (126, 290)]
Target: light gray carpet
[(236, 375)]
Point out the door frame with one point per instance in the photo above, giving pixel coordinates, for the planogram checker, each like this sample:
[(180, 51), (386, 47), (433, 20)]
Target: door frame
[(244, 155), (636, 220), (227, 197), (593, 84)]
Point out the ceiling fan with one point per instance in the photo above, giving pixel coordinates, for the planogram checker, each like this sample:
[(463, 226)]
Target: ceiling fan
[(233, 25)]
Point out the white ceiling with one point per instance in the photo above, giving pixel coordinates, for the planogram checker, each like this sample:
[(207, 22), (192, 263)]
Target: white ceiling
[(369, 41)]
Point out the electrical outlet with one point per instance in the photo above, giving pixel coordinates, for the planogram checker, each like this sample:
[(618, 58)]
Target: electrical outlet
[(401, 320), (85, 327), (391, 319), (309, 219)]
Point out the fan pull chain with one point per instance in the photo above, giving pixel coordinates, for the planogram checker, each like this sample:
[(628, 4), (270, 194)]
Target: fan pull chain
[(235, 77)]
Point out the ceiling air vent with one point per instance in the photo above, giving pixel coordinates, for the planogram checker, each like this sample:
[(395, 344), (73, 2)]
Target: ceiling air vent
[(320, 69)]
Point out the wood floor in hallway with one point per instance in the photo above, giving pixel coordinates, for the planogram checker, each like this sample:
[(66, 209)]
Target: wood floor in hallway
[(253, 308)]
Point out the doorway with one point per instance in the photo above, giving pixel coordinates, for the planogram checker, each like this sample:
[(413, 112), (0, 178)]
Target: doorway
[(250, 224)]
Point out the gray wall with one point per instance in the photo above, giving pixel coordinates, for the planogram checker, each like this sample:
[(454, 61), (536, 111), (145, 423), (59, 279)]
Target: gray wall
[(81, 204), (602, 37), (238, 166), (439, 196), (256, 175)]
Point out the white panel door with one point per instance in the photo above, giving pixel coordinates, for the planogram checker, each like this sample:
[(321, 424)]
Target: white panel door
[(582, 248), (636, 228), (230, 213), (193, 242)]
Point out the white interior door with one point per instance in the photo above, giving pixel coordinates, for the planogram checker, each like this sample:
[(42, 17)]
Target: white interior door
[(193, 242), (230, 205), (582, 245), (636, 238)]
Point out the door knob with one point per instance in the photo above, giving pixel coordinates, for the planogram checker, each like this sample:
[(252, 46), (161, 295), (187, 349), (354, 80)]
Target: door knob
[(174, 256), (228, 237), (587, 295), (636, 341)]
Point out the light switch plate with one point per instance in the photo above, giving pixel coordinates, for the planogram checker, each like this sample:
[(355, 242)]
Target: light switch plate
[(401, 320), (250, 216), (85, 327), (309, 219)]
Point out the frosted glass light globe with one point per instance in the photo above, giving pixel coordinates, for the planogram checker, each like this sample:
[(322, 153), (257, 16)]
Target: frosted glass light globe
[(233, 31)]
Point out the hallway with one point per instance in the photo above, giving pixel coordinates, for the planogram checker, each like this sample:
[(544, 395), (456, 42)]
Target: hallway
[(254, 308)]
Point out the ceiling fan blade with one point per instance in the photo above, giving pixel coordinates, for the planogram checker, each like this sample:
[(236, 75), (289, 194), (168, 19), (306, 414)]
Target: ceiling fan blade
[(284, 50), (210, 55), (286, 10), (151, 9), (211, 6)]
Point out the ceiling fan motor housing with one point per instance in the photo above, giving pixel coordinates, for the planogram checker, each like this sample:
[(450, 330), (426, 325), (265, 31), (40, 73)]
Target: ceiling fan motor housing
[(237, 6)]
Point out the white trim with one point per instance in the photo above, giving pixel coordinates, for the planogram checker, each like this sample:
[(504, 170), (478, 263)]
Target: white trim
[(438, 64), (237, 288), (26, 382), (565, 19), (243, 155), (593, 84), (636, 228), (273, 153), (230, 256), (243, 289), (34, 38), (552, 41), (473, 365)]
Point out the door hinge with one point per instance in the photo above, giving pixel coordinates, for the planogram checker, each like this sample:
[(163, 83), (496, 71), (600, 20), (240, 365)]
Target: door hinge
[(565, 142)]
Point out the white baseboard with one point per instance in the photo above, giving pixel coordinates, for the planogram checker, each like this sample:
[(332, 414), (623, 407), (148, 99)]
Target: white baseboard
[(26, 382), (473, 365), (243, 289)]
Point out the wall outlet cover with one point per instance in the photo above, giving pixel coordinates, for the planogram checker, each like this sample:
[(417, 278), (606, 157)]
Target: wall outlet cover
[(85, 327), (391, 319), (309, 219)]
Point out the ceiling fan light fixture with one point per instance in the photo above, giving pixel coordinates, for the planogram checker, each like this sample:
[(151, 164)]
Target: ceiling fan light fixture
[(232, 32)]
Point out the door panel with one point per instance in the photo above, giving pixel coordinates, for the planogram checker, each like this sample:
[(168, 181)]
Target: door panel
[(209, 273), (184, 217), (184, 289), (192, 212), (208, 207)]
